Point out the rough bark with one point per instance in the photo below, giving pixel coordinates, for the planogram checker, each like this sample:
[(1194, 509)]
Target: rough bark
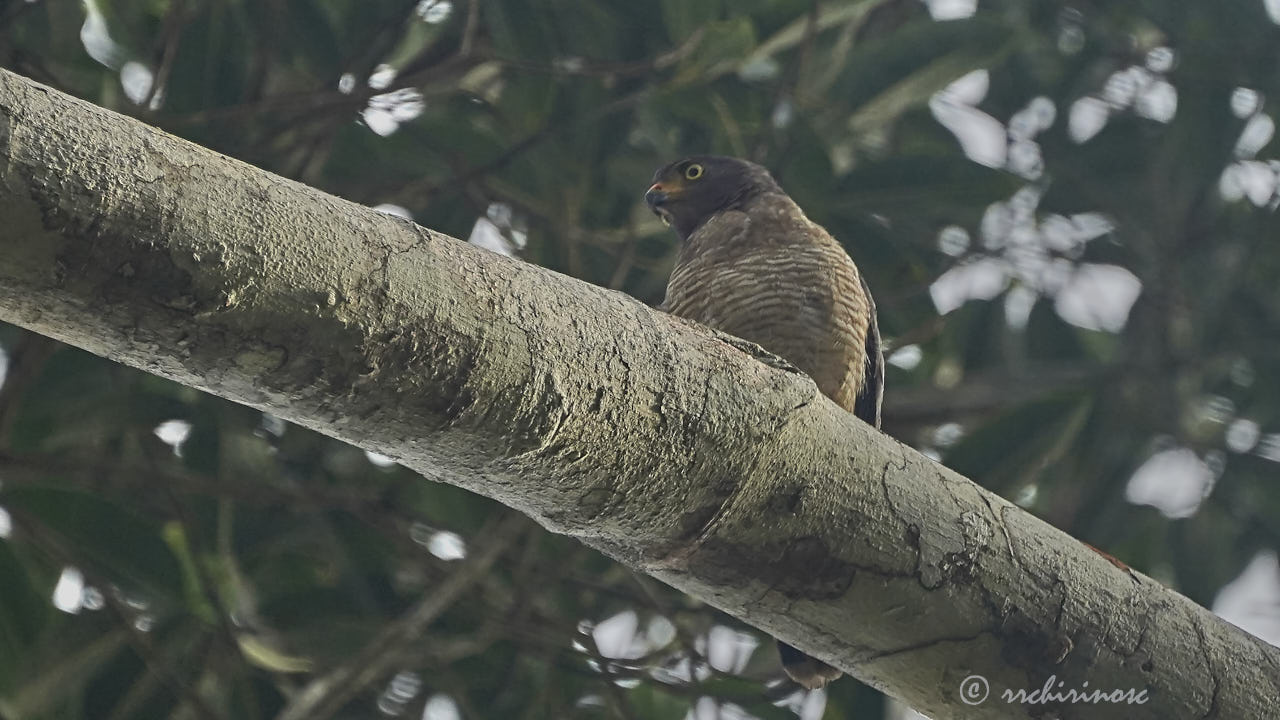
[(666, 446)]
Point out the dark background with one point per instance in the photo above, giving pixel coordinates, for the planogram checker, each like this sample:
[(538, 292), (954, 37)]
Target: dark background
[(1065, 211)]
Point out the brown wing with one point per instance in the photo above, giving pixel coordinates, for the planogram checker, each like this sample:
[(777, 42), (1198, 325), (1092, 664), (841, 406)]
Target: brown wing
[(770, 276)]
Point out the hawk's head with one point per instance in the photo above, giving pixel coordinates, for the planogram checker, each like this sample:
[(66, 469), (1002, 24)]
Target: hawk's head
[(687, 192)]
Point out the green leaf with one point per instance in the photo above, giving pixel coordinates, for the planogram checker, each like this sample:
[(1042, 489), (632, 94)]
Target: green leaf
[(1011, 449), (57, 682), (723, 47), (23, 613), (683, 18), (915, 89), (124, 546)]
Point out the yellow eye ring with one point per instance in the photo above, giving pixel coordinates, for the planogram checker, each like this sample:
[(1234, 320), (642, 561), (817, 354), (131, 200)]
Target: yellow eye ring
[(693, 172)]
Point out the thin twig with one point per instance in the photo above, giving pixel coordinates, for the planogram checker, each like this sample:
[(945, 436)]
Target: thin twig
[(208, 588), (609, 676), (53, 545), (26, 362), (470, 29), (174, 22), (326, 695), (581, 67)]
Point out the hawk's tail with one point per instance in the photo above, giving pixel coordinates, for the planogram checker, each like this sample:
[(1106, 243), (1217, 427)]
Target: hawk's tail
[(810, 672)]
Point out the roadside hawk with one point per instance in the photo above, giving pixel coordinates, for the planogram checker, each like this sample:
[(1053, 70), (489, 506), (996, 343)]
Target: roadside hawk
[(752, 265)]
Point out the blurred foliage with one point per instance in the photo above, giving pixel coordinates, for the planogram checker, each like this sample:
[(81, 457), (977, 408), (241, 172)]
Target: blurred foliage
[(1008, 179)]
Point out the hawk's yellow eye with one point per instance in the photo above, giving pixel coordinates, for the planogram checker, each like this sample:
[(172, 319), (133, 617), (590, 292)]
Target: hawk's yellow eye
[(693, 172)]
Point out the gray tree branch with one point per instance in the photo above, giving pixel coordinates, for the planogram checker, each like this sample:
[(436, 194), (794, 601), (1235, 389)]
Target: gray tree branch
[(645, 437)]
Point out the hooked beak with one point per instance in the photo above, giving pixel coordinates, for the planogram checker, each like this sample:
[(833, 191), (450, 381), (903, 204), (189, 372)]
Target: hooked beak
[(655, 197)]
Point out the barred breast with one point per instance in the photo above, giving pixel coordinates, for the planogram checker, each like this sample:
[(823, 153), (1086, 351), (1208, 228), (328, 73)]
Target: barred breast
[(784, 283)]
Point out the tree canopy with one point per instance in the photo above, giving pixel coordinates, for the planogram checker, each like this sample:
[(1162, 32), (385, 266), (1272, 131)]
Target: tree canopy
[(1062, 210)]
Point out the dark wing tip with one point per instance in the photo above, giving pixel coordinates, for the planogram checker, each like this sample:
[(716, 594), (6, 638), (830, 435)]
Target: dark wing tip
[(870, 398)]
